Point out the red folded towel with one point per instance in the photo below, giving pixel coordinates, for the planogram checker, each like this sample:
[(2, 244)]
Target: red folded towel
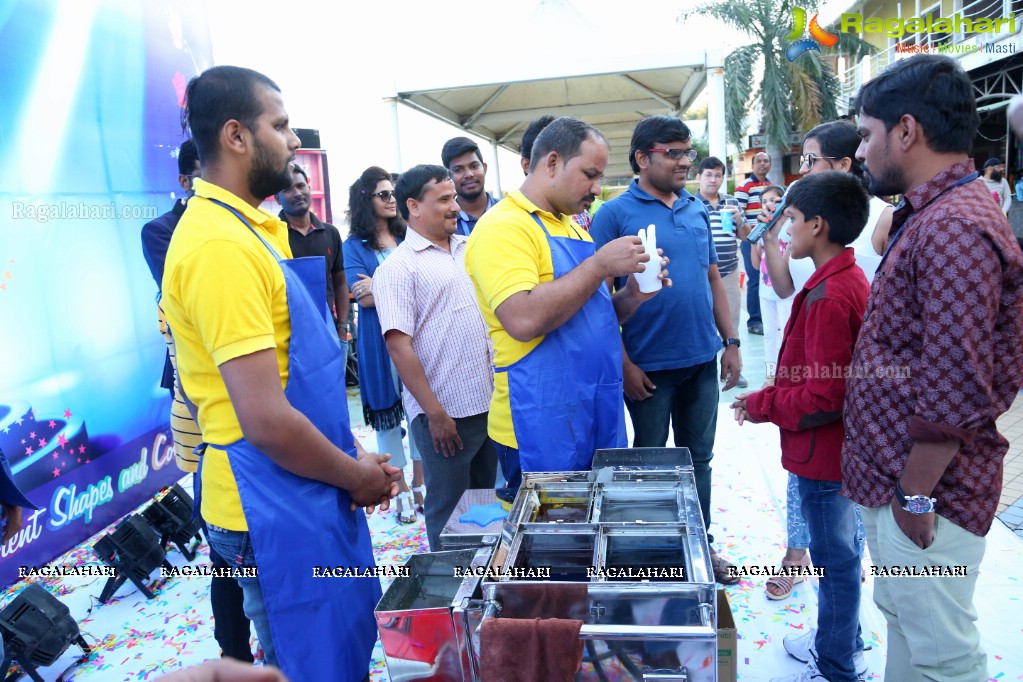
[(521, 650)]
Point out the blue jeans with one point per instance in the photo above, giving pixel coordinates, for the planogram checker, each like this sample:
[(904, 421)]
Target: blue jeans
[(831, 519), (236, 550), (511, 469), (798, 535), (752, 286), (688, 399)]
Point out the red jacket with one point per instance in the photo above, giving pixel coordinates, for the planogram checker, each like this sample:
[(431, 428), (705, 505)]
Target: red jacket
[(813, 364)]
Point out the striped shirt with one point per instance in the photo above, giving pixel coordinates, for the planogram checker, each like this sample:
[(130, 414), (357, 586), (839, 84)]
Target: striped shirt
[(748, 196), (184, 430), (724, 242), (424, 291)]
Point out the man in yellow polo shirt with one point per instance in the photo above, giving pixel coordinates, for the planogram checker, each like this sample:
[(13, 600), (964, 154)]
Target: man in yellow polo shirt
[(283, 477), (540, 285)]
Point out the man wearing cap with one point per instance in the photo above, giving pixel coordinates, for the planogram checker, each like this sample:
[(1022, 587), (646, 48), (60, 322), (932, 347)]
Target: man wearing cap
[(461, 156), (994, 172)]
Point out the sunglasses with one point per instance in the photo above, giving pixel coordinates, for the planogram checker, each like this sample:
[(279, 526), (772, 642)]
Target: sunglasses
[(809, 159), (676, 154), (384, 195)]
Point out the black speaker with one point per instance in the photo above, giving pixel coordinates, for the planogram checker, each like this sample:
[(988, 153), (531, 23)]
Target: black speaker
[(37, 629), (134, 551), (309, 137), (171, 517)]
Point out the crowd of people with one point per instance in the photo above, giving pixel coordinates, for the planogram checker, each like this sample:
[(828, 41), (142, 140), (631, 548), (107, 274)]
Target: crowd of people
[(512, 336)]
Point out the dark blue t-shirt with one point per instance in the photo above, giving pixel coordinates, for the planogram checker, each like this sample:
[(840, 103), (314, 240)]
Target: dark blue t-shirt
[(674, 329)]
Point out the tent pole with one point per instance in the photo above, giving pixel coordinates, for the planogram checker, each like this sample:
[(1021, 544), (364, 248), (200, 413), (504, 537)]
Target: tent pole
[(393, 101), (497, 169)]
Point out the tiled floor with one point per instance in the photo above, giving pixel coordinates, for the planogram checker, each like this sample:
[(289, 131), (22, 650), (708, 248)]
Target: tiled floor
[(1010, 506)]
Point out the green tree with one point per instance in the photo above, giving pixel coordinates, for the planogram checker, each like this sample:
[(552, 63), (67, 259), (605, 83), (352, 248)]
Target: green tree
[(794, 95)]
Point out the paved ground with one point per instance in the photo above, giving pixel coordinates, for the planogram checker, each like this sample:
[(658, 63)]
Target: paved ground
[(1010, 505)]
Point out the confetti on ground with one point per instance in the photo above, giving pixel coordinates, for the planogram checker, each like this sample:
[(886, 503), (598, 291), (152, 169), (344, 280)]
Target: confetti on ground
[(137, 639)]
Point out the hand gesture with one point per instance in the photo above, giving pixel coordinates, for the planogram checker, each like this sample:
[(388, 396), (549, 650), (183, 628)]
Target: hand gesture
[(377, 481), (731, 367), (363, 287), (637, 384), (445, 436), (621, 257), (632, 286), (919, 528), (741, 413)]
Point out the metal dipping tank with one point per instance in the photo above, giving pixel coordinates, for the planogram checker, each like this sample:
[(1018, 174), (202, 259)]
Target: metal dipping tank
[(621, 548)]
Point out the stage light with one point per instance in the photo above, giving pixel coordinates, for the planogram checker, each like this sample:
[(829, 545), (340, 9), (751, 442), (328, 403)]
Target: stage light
[(134, 551), (171, 517), (37, 629)]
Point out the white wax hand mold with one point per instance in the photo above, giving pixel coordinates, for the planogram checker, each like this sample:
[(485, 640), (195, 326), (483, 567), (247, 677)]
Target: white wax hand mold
[(647, 279)]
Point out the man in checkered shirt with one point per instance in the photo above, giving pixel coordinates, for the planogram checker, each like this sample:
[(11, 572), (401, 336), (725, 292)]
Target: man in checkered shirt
[(438, 341), (939, 358)]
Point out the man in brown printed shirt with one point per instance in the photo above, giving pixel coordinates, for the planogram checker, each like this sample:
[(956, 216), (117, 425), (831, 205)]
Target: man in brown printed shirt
[(938, 359)]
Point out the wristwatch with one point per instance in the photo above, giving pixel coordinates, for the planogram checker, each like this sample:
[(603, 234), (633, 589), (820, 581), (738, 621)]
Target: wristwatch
[(914, 504), (731, 342)]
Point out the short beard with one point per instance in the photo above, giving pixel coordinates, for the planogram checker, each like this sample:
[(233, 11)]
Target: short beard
[(264, 179), (470, 197), (890, 181), (996, 176)]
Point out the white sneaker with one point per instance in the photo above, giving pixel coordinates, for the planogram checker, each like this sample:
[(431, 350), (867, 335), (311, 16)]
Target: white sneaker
[(808, 674), (802, 648)]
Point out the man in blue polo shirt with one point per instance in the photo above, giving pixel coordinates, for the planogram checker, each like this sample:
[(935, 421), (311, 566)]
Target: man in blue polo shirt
[(671, 343)]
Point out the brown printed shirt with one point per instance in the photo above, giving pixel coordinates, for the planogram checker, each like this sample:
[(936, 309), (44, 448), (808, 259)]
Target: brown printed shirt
[(940, 353)]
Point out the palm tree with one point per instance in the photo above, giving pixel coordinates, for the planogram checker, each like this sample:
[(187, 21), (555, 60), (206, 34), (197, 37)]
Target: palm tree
[(794, 95)]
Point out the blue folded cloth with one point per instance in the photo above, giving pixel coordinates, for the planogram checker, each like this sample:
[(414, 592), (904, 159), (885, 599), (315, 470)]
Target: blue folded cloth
[(483, 514)]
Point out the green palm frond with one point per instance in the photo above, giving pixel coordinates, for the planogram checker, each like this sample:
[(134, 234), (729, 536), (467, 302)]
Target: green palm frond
[(852, 46), (738, 88), (806, 99), (775, 96), (798, 94)]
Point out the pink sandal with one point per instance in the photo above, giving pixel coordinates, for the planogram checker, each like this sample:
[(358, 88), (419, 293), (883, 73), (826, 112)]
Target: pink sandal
[(784, 584)]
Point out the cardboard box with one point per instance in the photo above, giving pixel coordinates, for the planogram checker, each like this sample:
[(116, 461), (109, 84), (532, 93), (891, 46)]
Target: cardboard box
[(728, 640)]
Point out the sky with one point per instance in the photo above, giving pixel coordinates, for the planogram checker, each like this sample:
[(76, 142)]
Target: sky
[(335, 68)]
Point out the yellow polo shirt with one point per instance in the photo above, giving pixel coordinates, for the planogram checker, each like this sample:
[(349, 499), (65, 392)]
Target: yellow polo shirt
[(224, 295), (508, 253)]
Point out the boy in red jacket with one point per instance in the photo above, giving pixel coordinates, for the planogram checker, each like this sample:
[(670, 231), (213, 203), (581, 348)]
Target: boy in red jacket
[(828, 211)]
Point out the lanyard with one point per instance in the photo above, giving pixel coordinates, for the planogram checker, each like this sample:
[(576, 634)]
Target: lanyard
[(898, 233)]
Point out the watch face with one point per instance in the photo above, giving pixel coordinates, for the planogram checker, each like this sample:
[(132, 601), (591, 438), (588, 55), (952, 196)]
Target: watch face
[(919, 504)]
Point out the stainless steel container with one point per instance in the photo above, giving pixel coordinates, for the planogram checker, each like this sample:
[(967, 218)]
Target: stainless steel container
[(621, 548), (464, 535), (422, 617)]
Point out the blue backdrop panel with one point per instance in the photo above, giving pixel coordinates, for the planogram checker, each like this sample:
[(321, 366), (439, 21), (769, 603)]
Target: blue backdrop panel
[(89, 134)]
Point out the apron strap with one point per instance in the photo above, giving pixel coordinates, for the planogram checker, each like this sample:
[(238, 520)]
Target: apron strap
[(245, 222), (544, 228)]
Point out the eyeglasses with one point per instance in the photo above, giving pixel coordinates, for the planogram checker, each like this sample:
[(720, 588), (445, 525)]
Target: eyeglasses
[(809, 159), (384, 195), (676, 154)]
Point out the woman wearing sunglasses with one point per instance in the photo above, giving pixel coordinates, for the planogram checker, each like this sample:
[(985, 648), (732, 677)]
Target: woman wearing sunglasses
[(829, 146), (375, 230)]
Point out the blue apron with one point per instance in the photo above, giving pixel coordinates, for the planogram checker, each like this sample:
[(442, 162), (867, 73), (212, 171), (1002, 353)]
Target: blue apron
[(566, 394), (322, 628)]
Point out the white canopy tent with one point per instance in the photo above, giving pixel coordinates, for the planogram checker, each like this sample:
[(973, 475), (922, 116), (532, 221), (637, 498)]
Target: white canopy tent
[(588, 78)]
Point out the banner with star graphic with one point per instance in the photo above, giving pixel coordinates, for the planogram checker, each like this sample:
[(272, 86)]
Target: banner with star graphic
[(90, 131)]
